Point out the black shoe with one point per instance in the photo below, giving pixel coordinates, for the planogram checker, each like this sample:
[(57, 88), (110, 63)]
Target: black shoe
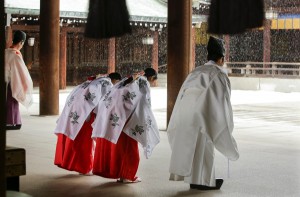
[(219, 183), (13, 127)]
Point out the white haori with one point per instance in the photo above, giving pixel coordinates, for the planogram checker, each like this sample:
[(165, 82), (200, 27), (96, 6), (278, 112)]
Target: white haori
[(142, 125), (79, 104), (17, 74), (113, 111), (127, 108), (201, 120)]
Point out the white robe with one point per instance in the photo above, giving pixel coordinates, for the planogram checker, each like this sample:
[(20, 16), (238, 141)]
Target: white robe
[(142, 125), (17, 74), (79, 104), (128, 109), (202, 119)]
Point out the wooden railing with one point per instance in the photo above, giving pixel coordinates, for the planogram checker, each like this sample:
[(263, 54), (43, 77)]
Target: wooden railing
[(258, 69), (264, 69)]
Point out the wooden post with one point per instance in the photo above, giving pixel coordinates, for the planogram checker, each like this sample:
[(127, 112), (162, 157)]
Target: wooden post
[(111, 55), (267, 43), (49, 57), (227, 47), (155, 50), (75, 57), (2, 107), (63, 59), (193, 44), (155, 53), (179, 48), (8, 36)]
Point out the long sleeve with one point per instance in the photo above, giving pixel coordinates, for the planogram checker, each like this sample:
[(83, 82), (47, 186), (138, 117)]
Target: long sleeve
[(20, 80), (220, 118)]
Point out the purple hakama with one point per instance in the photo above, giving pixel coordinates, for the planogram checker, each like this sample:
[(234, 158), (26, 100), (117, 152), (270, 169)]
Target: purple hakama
[(13, 116)]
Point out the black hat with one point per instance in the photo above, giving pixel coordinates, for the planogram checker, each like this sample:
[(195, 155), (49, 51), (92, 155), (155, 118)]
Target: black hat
[(19, 36), (149, 72), (215, 46), (115, 76)]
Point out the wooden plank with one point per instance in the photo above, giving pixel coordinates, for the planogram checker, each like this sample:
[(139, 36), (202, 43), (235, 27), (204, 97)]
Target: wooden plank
[(15, 162)]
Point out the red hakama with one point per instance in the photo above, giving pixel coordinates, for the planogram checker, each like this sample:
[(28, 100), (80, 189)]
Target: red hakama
[(76, 155), (119, 160)]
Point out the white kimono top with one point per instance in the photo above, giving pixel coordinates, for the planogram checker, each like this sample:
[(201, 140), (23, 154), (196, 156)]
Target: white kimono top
[(79, 104), (128, 109), (202, 119), (17, 74)]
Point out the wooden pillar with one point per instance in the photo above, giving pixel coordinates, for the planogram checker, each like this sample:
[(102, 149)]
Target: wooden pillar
[(63, 59), (76, 81), (8, 36), (227, 47), (2, 107), (49, 57), (155, 53), (111, 55), (193, 46), (267, 43), (179, 48), (155, 50)]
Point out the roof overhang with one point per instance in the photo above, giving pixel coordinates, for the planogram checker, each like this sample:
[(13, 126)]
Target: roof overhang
[(140, 10)]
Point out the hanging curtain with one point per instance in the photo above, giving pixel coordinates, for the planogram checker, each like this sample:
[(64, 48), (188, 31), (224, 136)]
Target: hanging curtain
[(107, 18), (235, 16)]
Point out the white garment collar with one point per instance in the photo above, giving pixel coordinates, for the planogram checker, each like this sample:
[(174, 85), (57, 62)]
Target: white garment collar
[(223, 69), (211, 62)]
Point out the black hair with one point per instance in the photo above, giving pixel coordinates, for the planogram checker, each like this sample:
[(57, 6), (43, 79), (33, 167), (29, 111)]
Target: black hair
[(115, 76), (149, 72), (19, 36), (214, 57)]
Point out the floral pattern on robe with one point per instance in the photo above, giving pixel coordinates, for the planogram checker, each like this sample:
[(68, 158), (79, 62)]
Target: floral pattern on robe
[(79, 104), (126, 108)]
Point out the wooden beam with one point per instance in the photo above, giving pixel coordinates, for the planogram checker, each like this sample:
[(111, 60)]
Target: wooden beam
[(288, 10), (26, 28), (74, 29)]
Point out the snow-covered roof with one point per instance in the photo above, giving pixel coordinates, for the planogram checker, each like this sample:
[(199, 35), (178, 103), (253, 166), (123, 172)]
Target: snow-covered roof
[(139, 10)]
